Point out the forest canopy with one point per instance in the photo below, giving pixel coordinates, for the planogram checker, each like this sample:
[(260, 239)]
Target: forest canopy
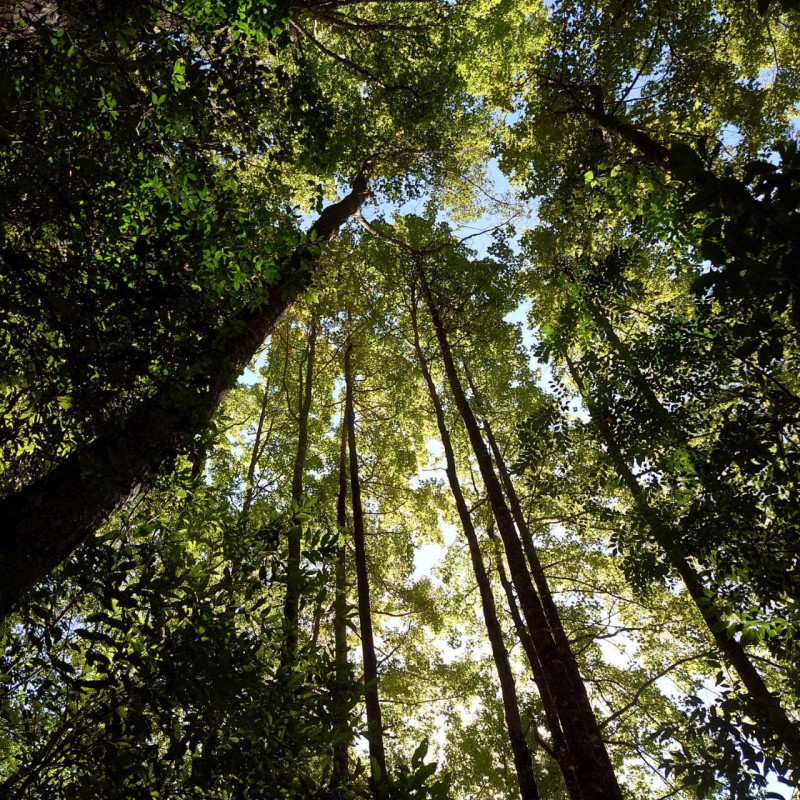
[(399, 399)]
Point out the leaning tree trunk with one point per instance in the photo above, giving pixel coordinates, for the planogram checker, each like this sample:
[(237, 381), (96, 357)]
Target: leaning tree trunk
[(559, 750), (593, 768), (341, 729), (371, 698), (43, 523), (770, 715), (523, 760), (291, 606), (539, 579), (537, 571)]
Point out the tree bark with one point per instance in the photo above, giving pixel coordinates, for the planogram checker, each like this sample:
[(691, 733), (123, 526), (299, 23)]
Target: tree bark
[(542, 586), (594, 769), (523, 760), (537, 571), (254, 456), (768, 710), (342, 745), (663, 157), (559, 750), (44, 522), (371, 698), (291, 605)]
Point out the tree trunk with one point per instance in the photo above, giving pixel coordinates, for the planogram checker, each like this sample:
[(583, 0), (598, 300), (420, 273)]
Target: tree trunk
[(254, 456), (539, 579), (537, 571), (559, 749), (661, 415), (291, 606), (594, 769), (663, 157), (372, 700), (44, 522), (342, 746), (770, 714), (519, 745)]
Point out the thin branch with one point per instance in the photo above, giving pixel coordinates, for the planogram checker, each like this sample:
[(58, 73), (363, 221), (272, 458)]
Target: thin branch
[(363, 71), (638, 693)]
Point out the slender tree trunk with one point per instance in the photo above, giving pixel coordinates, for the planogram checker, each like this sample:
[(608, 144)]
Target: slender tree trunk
[(306, 394), (44, 522), (291, 606), (559, 749), (661, 415), (771, 715), (341, 731), (594, 769), (537, 571), (664, 157), (316, 621), (254, 456), (539, 579), (372, 700), (519, 745)]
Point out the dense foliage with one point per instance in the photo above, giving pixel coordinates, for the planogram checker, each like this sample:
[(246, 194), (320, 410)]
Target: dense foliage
[(399, 399)]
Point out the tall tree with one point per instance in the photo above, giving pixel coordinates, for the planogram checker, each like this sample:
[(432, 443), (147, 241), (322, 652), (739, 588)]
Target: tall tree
[(178, 202), (766, 705), (293, 565), (594, 768), (374, 723), (519, 745), (341, 746), (45, 521), (563, 756)]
